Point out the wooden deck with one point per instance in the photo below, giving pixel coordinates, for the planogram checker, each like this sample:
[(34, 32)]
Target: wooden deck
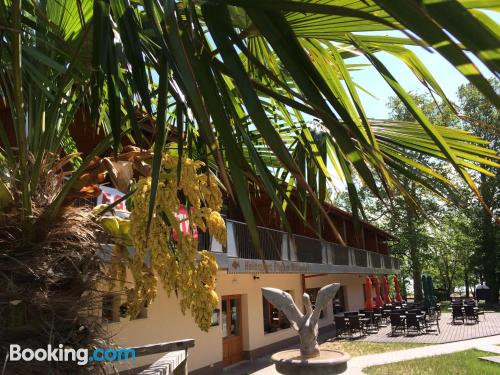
[(489, 325)]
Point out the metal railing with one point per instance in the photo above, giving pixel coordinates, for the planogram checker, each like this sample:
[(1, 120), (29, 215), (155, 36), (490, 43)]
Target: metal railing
[(204, 240), (309, 250), (387, 261), (278, 245), (340, 254), (360, 257), (396, 264), (376, 262), (270, 242)]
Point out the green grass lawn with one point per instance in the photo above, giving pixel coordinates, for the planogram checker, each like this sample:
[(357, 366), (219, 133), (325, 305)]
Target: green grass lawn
[(357, 348), (460, 363)]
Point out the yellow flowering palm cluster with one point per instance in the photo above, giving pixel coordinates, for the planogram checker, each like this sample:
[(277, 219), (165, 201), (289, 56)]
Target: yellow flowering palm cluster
[(166, 254)]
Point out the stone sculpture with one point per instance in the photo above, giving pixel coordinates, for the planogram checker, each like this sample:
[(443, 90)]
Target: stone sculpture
[(306, 324)]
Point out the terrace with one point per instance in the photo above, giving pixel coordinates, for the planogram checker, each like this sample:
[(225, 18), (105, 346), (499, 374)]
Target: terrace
[(294, 253)]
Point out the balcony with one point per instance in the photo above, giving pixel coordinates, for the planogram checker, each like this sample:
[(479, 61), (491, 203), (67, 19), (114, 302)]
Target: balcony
[(293, 253)]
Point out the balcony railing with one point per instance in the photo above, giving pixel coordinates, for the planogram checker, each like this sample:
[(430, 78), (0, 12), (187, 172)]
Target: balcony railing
[(360, 257), (340, 254), (376, 262), (278, 245), (309, 250), (270, 242)]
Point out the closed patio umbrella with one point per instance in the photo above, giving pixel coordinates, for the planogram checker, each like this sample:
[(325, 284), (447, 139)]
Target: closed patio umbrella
[(426, 290), (368, 294), (387, 299), (378, 300), (430, 288), (397, 289)]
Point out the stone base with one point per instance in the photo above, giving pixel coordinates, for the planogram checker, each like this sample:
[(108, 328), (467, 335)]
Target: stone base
[(328, 362)]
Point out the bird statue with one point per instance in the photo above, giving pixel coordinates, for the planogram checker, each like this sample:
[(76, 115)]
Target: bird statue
[(305, 324)]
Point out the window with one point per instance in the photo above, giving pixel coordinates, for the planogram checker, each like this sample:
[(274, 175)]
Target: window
[(111, 307), (274, 319)]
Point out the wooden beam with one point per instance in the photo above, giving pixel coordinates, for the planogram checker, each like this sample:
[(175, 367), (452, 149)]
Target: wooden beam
[(315, 275)]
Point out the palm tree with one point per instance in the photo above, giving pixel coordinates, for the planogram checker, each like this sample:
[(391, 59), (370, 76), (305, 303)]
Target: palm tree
[(235, 82)]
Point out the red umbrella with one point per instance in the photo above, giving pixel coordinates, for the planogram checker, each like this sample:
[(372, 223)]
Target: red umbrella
[(368, 294), (387, 299), (397, 290), (378, 300)]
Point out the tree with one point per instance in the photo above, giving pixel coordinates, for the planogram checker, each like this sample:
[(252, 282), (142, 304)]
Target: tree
[(232, 82), (411, 227), (451, 250), (483, 119)]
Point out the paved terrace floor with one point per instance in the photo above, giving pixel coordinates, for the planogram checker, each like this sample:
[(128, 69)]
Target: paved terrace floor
[(452, 337), (489, 325)]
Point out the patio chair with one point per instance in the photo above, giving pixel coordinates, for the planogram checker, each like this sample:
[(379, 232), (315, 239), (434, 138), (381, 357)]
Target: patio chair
[(471, 314), (397, 324), (457, 314), (372, 324), (438, 309), (341, 326), (355, 325), (415, 311), (414, 324), (383, 316), (432, 319)]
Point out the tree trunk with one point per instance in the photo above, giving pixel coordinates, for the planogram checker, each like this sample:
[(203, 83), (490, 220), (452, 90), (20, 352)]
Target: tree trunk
[(466, 282), (489, 242), (415, 261), (417, 284)]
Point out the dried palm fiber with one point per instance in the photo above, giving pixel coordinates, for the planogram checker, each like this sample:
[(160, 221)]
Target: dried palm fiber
[(49, 273)]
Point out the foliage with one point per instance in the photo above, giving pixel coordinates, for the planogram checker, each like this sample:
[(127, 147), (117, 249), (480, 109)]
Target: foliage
[(460, 363), (48, 282), (249, 71), (165, 252), (233, 82), (483, 120), (452, 247)]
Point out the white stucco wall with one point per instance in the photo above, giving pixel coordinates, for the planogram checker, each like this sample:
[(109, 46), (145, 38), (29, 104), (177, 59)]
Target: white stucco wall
[(165, 321)]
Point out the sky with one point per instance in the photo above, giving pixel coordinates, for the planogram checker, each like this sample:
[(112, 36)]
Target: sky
[(446, 75)]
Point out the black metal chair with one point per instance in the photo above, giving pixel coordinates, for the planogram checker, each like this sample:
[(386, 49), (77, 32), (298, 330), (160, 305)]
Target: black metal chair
[(355, 325), (432, 319), (372, 323), (438, 309), (397, 323), (341, 327), (471, 314), (457, 313), (383, 315), (413, 324)]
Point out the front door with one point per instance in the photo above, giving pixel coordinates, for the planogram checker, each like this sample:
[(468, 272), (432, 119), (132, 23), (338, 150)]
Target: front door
[(232, 345)]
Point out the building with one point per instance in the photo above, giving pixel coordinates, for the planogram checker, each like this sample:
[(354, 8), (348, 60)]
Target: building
[(245, 326)]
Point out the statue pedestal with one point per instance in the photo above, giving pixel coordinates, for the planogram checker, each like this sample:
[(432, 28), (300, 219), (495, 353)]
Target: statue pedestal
[(328, 362)]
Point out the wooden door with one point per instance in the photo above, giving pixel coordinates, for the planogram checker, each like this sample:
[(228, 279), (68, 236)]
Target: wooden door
[(232, 344)]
